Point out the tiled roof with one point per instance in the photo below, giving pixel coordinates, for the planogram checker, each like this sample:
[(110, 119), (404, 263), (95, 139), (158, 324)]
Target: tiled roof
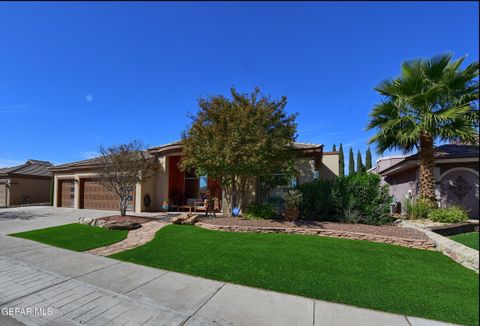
[(29, 168), (296, 145), (173, 145), (77, 164), (84, 163), (451, 151), (447, 151)]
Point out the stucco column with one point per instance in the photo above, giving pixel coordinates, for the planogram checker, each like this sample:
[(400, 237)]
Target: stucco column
[(138, 198), (76, 194), (55, 191)]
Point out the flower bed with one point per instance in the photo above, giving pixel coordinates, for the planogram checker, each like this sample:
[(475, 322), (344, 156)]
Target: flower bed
[(390, 234)]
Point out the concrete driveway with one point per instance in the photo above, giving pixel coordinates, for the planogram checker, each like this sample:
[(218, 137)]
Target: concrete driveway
[(37, 217)]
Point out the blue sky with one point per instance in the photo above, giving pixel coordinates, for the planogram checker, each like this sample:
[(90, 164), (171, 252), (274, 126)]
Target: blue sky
[(77, 75)]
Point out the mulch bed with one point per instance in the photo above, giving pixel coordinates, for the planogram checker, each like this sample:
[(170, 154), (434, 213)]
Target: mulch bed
[(126, 219), (382, 230)]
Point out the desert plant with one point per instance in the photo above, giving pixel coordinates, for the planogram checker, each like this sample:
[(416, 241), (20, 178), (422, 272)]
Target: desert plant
[(416, 209), (259, 210), (293, 201), (452, 214), (293, 198)]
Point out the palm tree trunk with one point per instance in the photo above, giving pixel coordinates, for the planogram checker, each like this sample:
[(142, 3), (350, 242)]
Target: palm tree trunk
[(426, 163)]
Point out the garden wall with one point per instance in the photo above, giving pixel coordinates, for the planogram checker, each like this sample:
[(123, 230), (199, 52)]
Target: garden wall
[(404, 242)]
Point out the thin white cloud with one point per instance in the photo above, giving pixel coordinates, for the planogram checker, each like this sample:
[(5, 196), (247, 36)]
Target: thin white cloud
[(13, 108), (88, 154), (89, 97)]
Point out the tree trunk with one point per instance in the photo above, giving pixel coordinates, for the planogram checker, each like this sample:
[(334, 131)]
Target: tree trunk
[(123, 206), (426, 163)]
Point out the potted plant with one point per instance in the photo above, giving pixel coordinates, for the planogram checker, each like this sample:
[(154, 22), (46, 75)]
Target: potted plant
[(292, 203)]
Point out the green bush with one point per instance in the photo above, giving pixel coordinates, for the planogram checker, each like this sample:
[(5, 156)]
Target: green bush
[(316, 200), (357, 198), (361, 199), (416, 209), (259, 210), (452, 214)]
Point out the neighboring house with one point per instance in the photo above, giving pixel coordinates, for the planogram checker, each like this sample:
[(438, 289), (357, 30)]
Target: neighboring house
[(456, 176), (28, 183), (76, 185)]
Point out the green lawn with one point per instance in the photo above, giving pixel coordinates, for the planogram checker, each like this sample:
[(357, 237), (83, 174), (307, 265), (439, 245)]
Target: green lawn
[(78, 237), (469, 239), (366, 274)]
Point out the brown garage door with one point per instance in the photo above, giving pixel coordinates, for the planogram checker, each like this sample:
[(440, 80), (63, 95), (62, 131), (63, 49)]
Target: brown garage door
[(66, 190), (96, 196)]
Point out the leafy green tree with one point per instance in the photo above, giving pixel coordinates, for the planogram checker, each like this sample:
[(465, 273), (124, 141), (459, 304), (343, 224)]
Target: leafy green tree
[(351, 162), (360, 166), (334, 148), (235, 140), (342, 161), (432, 99), (368, 159)]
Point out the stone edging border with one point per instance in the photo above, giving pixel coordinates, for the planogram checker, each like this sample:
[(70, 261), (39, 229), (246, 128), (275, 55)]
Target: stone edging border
[(425, 244), (467, 257)]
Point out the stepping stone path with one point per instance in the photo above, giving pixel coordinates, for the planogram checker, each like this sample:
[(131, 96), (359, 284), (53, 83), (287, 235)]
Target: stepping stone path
[(134, 239)]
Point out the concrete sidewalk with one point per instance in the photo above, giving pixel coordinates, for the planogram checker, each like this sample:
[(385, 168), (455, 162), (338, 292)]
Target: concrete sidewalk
[(90, 290)]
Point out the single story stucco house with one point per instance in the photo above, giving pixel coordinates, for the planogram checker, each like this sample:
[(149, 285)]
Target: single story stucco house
[(76, 185), (456, 173), (28, 183)]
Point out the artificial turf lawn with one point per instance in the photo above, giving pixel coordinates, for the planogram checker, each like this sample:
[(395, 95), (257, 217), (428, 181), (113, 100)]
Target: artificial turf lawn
[(469, 239), (366, 274), (78, 237)]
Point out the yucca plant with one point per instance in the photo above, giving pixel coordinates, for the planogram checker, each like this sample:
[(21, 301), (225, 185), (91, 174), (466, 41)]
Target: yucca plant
[(431, 100), (416, 209)]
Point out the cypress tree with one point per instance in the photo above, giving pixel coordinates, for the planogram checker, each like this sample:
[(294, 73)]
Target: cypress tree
[(334, 149), (368, 159), (360, 166), (342, 161), (351, 163)]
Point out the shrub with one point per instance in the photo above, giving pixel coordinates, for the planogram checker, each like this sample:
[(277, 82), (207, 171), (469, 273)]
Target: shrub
[(361, 199), (293, 199), (316, 200), (452, 214), (259, 210), (416, 209)]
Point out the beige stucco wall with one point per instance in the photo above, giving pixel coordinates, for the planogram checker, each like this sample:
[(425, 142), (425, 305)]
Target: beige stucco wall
[(160, 184), (330, 166), (36, 189)]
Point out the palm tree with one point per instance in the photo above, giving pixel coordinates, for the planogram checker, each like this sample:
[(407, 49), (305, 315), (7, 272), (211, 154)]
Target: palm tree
[(432, 100)]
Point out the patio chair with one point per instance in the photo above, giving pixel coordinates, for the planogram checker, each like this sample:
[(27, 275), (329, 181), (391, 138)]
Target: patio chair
[(200, 206)]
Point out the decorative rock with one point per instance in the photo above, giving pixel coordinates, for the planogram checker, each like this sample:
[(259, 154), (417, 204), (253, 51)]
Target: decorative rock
[(426, 244), (122, 226), (99, 223), (462, 254), (185, 219), (85, 220)]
